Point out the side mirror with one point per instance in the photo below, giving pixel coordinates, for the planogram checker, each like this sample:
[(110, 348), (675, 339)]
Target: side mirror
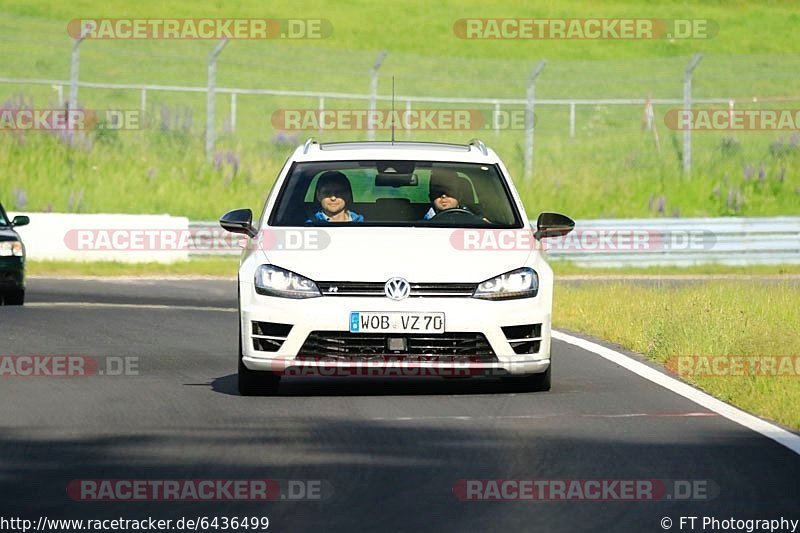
[(20, 220), (238, 221), (553, 225)]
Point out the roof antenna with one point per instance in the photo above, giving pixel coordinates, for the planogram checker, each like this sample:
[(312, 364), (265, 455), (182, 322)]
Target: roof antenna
[(392, 118)]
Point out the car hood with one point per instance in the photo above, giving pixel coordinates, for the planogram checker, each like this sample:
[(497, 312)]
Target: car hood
[(8, 234), (420, 255)]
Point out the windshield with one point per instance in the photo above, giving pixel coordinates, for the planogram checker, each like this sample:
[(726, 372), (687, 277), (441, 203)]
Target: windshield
[(395, 193), (3, 218)]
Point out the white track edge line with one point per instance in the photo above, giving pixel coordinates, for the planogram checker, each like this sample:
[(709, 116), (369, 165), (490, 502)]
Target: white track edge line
[(133, 306), (767, 429)]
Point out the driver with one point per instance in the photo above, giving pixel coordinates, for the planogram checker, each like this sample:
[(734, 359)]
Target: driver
[(444, 191)]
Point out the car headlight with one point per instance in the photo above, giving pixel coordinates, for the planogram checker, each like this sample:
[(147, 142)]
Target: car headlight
[(520, 283), (9, 248), (276, 281)]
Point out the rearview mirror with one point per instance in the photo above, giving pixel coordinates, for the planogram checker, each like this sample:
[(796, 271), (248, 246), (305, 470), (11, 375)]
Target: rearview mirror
[(396, 180), (20, 220), (553, 225), (238, 221), (395, 167)]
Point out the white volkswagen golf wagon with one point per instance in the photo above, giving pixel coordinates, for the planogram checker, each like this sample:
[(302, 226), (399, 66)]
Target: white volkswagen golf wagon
[(394, 259)]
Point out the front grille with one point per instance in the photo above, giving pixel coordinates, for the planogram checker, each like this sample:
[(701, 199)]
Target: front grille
[(345, 344), (370, 288), (526, 338), (269, 336)]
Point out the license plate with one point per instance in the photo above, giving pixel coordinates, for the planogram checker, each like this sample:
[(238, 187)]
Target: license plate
[(396, 322)]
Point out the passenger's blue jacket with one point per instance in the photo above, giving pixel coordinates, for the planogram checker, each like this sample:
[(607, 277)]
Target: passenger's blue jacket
[(320, 216)]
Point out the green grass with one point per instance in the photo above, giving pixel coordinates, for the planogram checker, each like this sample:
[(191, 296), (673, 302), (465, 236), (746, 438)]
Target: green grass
[(721, 318), (206, 266), (566, 268), (154, 172), (611, 169), (427, 29)]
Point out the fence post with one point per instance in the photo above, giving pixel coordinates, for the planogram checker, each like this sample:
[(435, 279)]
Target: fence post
[(210, 98), (529, 119), (74, 68), (143, 104), (233, 112), (572, 120), (407, 119), (373, 94), (650, 122), (687, 108), (321, 108)]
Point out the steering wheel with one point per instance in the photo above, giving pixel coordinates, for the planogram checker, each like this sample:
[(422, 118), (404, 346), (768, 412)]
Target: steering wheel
[(454, 214)]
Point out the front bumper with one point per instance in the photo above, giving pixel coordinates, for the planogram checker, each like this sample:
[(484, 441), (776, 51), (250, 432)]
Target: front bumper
[(291, 367), (331, 314)]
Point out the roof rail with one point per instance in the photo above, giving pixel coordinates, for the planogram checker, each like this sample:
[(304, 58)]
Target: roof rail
[(479, 144), (308, 144)]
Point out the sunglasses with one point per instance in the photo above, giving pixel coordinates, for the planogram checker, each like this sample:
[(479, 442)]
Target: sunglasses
[(434, 195), (326, 193)]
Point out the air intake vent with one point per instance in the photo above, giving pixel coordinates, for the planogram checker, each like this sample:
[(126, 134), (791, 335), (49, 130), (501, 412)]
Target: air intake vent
[(342, 343), (269, 336), (524, 339)]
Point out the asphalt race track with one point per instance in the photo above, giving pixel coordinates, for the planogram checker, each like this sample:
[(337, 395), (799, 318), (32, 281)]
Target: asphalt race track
[(384, 454)]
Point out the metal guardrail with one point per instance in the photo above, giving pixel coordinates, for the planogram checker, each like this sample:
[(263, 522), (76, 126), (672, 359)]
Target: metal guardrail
[(685, 242), (632, 242)]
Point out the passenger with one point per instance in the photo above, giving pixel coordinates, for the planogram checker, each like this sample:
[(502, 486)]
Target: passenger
[(334, 195)]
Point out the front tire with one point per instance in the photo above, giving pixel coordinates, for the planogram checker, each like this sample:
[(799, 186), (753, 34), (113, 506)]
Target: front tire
[(14, 298), (535, 382), (256, 382)]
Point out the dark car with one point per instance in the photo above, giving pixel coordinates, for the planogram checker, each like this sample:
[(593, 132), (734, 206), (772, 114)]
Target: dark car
[(12, 260)]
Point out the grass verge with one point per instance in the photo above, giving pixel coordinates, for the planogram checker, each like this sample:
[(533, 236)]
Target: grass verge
[(566, 268), (206, 266), (721, 318)]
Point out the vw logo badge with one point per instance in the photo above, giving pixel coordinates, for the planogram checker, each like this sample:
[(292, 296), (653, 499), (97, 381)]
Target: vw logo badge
[(397, 288)]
